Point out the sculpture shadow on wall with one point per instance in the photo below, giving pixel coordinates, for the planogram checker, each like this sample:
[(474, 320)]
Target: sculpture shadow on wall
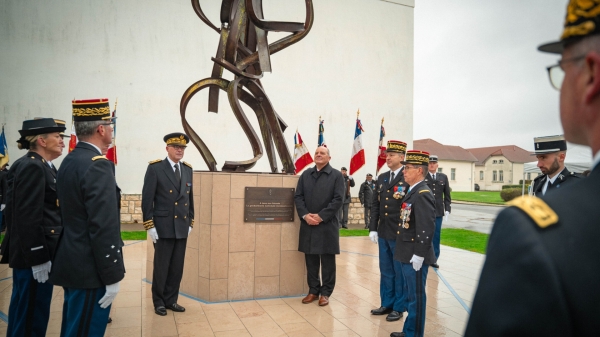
[(244, 51)]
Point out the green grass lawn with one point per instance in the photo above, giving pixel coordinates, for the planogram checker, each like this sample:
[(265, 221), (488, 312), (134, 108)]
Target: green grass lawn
[(137, 235), (453, 237), (465, 239), (486, 197)]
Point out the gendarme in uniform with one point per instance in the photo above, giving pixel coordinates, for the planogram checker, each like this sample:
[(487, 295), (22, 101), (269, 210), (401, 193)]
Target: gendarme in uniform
[(553, 146)]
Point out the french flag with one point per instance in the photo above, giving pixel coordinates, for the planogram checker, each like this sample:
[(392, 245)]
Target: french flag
[(302, 157), (358, 152), (73, 140)]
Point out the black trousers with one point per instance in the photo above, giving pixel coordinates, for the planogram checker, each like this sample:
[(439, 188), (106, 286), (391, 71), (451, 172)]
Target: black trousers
[(326, 262), (169, 255), (367, 216)]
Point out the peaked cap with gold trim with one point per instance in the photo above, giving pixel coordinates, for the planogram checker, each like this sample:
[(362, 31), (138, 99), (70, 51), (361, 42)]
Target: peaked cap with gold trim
[(416, 157), (86, 110), (177, 138), (582, 19), (396, 146)]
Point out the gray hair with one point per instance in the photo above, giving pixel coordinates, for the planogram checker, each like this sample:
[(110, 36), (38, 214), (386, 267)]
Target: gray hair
[(85, 130)]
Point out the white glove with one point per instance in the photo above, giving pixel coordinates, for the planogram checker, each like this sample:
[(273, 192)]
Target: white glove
[(189, 231), (350, 177), (153, 234), (2, 207), (40, 272), (417, 262), (446, 216), (109, 296), (373, 236)]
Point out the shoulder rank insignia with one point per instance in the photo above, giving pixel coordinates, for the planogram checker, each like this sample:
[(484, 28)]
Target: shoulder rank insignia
[(537, 209), (423, 191), (154, 161), (187, 164), (99, 157)]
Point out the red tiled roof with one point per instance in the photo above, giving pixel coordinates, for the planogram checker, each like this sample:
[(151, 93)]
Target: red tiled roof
[(444, 152), (513, 153)]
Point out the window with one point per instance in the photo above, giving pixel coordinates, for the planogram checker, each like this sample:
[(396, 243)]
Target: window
[(452, 174), (495, 162), (480, 175), (439, 170), (529, 176), (501, 174), (495, 176), (501, 161)]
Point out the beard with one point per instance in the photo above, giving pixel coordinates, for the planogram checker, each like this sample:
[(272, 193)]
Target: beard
[(553, 168)]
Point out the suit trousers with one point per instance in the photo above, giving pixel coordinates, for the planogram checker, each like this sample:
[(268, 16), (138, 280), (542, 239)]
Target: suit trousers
[(169, 255), (414, 324), (343, 215), (391, 284), (436, 236), (29, 309), (367, 216), (82, 315), (326, 262)]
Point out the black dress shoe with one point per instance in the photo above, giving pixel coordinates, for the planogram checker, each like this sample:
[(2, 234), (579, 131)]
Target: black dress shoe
[(435, 265), (161, 311), (176, 307), (393, 316), (381, 311), (397, 334), (109, 320)]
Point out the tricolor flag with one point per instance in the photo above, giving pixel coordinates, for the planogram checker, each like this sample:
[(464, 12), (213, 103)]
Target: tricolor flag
[(302, 157), (358, 152), (73, 141), (381, 153), (112, 150), (321, 133), (3, 149)]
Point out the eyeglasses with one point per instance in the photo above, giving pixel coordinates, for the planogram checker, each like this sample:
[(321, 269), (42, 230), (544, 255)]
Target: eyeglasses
[(409, 167), (177, 147), (557, 74)]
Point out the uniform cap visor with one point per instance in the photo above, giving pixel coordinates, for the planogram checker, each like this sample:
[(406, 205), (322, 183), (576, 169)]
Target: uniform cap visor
[(552, 47)]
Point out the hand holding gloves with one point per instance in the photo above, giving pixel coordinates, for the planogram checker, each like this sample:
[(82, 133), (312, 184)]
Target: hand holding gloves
[(446, 215)]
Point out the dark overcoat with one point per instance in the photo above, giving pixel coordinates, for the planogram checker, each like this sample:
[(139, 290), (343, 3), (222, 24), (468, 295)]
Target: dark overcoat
[(416, 239), (33, 223), (167, 205), (385, 209), (365, 194), (564, 178), (541, 274), (441, 192), (89, 253), (322, 193)]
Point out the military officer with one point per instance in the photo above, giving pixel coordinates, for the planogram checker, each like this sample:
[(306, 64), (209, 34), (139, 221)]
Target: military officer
[(540, 273), (33, 227), (168, 211), (414, 240), (385, 216), (89, 262), (439, 185), (550, 153)]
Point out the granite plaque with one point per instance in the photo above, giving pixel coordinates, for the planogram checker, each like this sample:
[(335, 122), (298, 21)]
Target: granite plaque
[(269, 204)]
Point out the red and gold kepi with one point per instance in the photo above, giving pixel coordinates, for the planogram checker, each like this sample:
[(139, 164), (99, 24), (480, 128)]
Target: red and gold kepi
[(416, 157), (582, 19), (86, 110), (396, 146)]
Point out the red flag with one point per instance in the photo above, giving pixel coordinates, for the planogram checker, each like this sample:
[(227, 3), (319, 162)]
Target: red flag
[(358, 152), (302, 157), (381, 153), (111, 154), (73, 140)]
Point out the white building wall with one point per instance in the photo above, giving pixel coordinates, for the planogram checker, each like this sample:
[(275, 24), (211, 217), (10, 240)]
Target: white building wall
[(512, 173), (359, 54), (463, 180)]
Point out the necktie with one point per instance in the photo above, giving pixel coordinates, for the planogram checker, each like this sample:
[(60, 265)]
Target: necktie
[(392, 177), (177, 174), (433, 176)]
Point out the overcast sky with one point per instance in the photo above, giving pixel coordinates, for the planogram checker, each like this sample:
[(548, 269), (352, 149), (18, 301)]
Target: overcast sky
[(479, 79)]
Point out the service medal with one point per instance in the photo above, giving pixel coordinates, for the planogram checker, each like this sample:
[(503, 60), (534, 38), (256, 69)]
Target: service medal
[(405, 214), (398, 193)]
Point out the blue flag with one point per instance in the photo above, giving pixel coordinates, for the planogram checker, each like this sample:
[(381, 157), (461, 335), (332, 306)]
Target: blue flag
[(3, 149)]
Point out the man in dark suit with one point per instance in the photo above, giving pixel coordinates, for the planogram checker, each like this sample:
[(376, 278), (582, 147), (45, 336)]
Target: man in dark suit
[(415, 235), (540, 273), (33, 227), (439, 185), (365, 194), (385, 216), (319, 195), (89, 260), (343, 212), (551, 152), (168, 211)]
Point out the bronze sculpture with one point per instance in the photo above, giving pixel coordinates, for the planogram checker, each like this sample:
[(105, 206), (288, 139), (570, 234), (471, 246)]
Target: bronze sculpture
[(244, 51)]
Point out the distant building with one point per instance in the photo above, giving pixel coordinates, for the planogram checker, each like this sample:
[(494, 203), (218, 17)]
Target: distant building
[(500, 165), (456, 162)]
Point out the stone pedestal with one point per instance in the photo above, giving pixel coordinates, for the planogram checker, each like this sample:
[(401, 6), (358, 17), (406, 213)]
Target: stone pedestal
[(229, 259)]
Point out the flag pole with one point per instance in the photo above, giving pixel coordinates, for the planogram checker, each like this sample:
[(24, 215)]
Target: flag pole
[(115, 129), (380, 145)]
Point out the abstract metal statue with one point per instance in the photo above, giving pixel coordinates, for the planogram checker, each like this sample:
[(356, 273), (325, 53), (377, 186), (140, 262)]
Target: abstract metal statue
[(244, 51)]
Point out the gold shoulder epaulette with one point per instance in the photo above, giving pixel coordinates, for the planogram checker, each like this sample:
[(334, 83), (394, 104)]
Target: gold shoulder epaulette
[(537, 209), (424, 191), (187, 164), (154, 161), (99, 157)]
